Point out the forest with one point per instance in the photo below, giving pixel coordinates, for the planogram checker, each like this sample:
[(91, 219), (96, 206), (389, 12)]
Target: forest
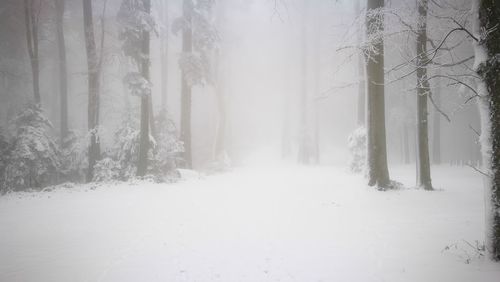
[(250, 140)]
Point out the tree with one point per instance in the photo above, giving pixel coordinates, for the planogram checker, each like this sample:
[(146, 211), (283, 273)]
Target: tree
[(186, 93), (93, 88), (199, 38), (361, 73), (146, 101), (487, 65), (33, 159), (305, 153), (137, 23), (31, 17), (423, 90), (378, 172), (436, 130), (63, 75), (220, 152), (164, 45)]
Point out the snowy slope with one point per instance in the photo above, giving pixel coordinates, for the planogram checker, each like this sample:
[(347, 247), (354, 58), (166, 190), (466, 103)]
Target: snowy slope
[(253, 224)]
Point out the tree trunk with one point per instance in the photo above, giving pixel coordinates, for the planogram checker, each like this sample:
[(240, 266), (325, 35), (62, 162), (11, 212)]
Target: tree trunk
[(146, 101), (304, 146), (164, 56), (93, 85), (220, 148), (220, 153), (361, 74), (286, 146), (423, 90), (378, 173), (487, 50), (186, 88), (436, 130), (63, 75), (406, 145), (31, 21), (317, 83)]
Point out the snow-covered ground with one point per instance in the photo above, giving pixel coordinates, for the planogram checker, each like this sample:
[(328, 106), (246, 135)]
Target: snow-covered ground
[(252, 224)]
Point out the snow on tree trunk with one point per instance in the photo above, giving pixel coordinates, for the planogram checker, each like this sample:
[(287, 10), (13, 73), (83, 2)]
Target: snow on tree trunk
[(423, 90), (361, 73), (378, 173), (486, 15)]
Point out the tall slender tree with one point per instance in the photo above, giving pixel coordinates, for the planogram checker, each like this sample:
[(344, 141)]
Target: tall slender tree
[(487, 50), (31, 19), (187, 48), (378, 172), (436, 129), (423, 91), (63, 75), (220, 152), (164, 47), (304, 139), (146, 101), (361, 73), (94, 152)]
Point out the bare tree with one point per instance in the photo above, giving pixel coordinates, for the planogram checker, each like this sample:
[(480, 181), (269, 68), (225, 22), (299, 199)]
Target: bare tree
[(378, 172), (423, 90)]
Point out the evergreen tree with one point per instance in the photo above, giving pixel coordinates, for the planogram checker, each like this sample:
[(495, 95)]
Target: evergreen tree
[(34, 158)]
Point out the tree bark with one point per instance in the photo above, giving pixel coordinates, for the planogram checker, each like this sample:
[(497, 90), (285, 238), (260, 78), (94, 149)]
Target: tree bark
[(436, 130), (423, 90), (93, 88), (31, 21), (378, 172), (406, 145), (487, 50), (361, 74), (164, 56), (146, 101), (63, 74), (185, 87)]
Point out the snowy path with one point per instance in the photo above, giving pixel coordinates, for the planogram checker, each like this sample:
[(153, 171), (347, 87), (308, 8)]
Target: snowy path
[(267, 224)]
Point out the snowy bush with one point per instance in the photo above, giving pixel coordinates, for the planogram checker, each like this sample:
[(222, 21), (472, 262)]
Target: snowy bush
[(34, 157), (74, 153), (107, 170), (167, 153), (126, 149), (121, 161), (357, 148)]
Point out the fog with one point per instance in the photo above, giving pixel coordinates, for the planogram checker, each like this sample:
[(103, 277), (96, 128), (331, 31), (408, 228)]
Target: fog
[(162, 139)]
